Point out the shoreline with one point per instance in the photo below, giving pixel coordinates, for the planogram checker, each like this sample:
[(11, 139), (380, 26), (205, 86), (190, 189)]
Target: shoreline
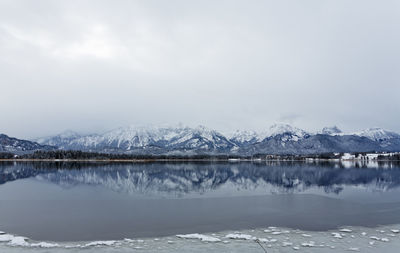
[(307, 160), (382, 238)]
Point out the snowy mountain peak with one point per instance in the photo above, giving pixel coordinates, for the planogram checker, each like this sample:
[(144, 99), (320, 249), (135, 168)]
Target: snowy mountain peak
[(377, 134), (243, 136), (282, 128), (333, 130)]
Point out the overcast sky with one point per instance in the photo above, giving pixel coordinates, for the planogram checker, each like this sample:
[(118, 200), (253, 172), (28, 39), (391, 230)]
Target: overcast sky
[(96, 65)]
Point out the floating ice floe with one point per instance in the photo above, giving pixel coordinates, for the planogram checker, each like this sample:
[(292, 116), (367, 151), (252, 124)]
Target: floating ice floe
[(305, 235), (337, 235), (203, 238), (45, 245), (354, 249), (308, 244), (240, 236), (264, 240), (100, 243), (6, 237), (284, 244), (346, 230), (18, 241), (395, 231)]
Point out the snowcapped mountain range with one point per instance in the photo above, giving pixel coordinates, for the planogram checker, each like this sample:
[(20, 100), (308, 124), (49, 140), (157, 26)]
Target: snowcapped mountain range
[(184, 140), (277, 139)]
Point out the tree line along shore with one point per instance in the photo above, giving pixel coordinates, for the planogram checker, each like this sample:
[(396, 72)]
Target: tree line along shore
[(84, 156)]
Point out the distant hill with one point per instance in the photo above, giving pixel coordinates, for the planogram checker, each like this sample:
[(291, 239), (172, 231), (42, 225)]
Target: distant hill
[(10, 144)]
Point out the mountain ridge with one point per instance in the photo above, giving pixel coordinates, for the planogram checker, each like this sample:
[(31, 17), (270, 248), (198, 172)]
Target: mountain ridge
[(12, 144), (278, 139)]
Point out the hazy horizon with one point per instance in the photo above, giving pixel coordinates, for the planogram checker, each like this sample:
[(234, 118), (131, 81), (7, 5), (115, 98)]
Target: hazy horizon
[(92, 66)]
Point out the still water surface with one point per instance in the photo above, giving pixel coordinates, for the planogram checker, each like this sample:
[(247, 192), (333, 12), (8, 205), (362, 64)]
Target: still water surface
[(105, 201)]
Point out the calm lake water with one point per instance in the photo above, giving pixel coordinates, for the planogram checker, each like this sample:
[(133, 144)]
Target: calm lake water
[(104, 201)]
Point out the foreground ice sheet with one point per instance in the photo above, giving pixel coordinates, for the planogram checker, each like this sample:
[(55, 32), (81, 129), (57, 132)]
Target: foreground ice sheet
[(272, 239)]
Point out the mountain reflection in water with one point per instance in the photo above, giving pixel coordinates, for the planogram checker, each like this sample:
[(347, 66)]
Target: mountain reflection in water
[(180, 179)]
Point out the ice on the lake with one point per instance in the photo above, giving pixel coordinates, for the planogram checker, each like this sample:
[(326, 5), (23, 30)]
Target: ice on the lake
[(284, 244), (240, 236), (18, 241), (265, 240), (308, 244), (6, 237), (346, 230), (204, 238), (45, 245), (354, 249), (337, 235), (100, 243), (239, 241)]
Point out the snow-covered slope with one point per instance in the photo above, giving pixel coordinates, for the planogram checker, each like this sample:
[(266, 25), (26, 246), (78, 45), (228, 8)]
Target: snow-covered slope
[(277, 139), (152, 139), (388, 140), (241, 137), (377, 134), (284, 131), (61, 140), (281, 128), (10, 144)]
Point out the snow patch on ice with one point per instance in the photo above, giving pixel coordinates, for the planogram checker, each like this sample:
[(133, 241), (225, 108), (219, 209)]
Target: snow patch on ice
[(100, 243), (45, 245), (204, 238), (18, 241), (240, 236)]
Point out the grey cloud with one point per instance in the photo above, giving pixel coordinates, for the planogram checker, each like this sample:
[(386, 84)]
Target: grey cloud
[(95, 65)]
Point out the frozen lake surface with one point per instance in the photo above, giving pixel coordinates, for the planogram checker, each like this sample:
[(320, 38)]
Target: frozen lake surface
[(225, 207)]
